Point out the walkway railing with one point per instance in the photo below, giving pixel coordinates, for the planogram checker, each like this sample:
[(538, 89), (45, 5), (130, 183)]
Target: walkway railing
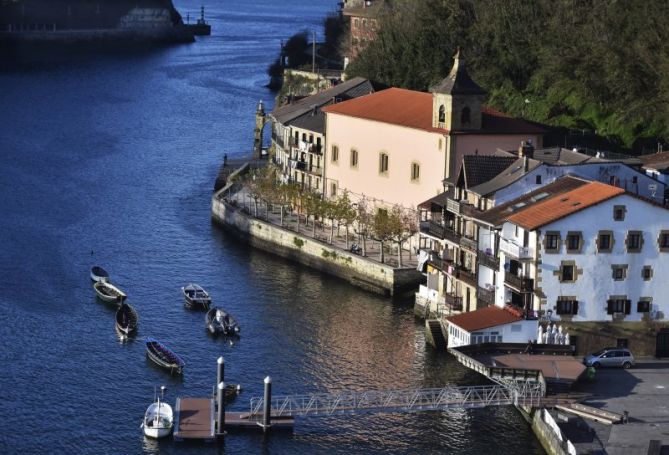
[(411, 400)]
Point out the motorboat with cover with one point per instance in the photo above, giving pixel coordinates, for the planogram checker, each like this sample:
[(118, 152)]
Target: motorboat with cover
[(218, 321), (159, 418)]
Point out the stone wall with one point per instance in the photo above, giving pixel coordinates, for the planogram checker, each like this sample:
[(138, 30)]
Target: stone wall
[(358, 270)]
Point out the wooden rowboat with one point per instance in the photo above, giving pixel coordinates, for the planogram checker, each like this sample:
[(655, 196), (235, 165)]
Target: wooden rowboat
[(163, 356), (196, 297), (99, 274), (126, 319), (107, 292)]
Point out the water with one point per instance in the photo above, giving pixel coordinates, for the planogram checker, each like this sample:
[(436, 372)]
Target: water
[(110, 160)]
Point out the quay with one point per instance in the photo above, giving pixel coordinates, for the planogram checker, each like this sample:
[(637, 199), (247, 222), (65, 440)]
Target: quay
[(295, 243)]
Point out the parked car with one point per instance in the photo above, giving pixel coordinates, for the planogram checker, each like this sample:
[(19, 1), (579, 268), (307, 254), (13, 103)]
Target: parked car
[(610, 357)]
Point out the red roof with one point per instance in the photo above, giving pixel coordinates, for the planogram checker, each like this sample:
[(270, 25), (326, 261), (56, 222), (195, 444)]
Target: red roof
[(484, 318), (563, 205), (413, 109)]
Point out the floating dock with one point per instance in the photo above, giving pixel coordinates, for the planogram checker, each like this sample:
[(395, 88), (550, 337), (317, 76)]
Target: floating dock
[(195, 419)]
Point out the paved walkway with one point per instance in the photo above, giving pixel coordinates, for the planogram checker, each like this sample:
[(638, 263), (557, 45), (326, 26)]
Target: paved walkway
[(643, 391), (323, 233)]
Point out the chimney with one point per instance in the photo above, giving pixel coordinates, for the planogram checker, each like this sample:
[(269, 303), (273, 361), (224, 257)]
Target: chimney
[(526, 164), (526, 149)]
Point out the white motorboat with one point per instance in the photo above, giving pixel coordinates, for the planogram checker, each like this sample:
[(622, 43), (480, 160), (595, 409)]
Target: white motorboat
[(159, 418)]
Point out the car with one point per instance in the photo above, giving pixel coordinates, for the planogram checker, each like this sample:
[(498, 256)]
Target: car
[(610, 357)]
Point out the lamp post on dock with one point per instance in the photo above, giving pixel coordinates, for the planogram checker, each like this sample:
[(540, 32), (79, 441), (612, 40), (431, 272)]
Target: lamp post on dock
[(267, 404)]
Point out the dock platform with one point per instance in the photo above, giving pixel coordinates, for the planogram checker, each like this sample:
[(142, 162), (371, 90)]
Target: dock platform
[(195, 419)]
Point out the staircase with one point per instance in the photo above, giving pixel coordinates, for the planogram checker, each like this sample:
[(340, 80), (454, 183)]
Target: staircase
[(434, 335)]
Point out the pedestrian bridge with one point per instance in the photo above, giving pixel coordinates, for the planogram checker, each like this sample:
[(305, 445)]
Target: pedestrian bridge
[(528, 393)]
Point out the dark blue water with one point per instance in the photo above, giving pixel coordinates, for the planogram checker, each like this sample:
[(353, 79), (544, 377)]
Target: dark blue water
[(110, 159)]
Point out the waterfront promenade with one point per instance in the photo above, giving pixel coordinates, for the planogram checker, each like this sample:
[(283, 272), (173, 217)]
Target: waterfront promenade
[(642, 391)]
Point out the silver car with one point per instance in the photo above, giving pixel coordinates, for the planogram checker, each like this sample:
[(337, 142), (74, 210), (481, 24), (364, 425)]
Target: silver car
[(610, 357)]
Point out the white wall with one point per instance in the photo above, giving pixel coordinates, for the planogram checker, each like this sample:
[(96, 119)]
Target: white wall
[(592, 171), (516, 332), (596, 284)]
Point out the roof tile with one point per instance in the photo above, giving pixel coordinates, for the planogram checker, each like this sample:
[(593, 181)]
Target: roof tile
[(484, 318)]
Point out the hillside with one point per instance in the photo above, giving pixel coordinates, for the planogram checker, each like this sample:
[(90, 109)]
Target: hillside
[(600, 66)]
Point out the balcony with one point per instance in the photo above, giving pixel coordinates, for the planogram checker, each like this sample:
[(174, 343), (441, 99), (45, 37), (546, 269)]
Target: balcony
[(298, 164), (485, 296), (453, 206), (454, 302), (488, 260), (514, 250), (469, 243), (520, 284), (316, 170), (439, 231)]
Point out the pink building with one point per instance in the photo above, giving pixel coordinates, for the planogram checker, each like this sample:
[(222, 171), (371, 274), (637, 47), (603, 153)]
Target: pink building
[(397, 146)]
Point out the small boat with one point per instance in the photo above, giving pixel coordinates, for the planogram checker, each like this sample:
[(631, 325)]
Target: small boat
[(99, 274), (159, 418), (196, 297), (231, 391), (108, 292), (163, 356), (218, 321), (126, 319)]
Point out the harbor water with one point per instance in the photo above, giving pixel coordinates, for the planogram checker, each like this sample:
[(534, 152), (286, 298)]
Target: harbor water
[(110, 159)]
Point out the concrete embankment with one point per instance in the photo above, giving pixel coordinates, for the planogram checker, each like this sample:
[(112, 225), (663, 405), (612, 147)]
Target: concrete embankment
[(358, 270)]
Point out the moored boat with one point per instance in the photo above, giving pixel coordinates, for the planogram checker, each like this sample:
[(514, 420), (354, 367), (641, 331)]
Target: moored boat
[(196, 297), (107, 292), (159, 418), (163, 356), (126, 319), (218, 321), (99, 274)]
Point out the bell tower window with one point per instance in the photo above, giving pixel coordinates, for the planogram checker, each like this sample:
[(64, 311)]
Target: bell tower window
[(465, 116), (442, 114)]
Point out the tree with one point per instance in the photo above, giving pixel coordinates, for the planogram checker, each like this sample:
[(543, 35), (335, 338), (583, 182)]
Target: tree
[(381, 230), (363, 222), (345, 213), (403, 224)]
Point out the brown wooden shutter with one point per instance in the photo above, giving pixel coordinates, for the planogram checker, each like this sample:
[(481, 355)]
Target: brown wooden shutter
[(628, 306)]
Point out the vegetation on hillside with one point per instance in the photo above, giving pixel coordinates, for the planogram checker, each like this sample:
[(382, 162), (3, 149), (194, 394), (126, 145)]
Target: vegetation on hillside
[(595, 65)]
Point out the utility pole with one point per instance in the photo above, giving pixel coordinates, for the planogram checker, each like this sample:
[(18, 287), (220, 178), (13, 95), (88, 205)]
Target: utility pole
[(313, 52)]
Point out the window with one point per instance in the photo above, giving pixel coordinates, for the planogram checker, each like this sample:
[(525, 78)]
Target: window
[(567, 272), (634, 241), (442, 115), (643, 305), (354, 158), (566, 306), (605, 241), (552, 242), (465, 117), (538, 180), (647, 272), (619, 272), (415, 172), (635, 180), (663, 241), (335, 153), (574, 242), (618, 305), (383, 163), (333, 189), (619, 212)]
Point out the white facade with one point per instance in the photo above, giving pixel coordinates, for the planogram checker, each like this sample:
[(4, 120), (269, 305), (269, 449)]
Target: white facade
[(596, 276), (515, 332), (616, 174)]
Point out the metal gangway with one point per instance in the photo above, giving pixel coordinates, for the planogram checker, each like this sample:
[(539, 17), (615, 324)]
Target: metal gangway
[(525, 393)]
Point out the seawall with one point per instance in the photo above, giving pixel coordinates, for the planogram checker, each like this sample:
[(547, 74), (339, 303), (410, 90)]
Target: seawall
[(358, 270)]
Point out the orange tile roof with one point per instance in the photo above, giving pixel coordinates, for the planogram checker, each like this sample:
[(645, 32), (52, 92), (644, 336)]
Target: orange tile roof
[(564, 205), (484, 318), (394, 105), (413, 109)]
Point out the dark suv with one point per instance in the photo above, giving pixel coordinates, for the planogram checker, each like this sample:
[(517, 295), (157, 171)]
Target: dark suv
[(610, 357)]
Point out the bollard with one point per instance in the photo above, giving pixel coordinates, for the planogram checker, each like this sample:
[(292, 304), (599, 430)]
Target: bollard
[(267, 404), (220, 370), (220, 418)]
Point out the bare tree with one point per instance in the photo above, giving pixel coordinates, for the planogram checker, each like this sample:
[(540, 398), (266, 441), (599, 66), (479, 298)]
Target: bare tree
[(403, 224)]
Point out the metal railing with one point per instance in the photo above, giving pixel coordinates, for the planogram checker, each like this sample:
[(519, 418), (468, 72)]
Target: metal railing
[(488, 260), (454, 302), (486, 296), (410, 400), (522, 284), (469, 243), (514, 250)]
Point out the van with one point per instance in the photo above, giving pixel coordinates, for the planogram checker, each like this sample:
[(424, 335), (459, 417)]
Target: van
[(610, 357)]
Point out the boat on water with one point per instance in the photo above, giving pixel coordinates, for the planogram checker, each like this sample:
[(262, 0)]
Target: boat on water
[(196, 297), (159, 418), (99, 274), (220, 322), (126, 319), (163, 356), (107, 292)]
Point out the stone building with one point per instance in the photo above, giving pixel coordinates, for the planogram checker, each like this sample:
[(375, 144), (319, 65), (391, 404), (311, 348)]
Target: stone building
[(363, 16)]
